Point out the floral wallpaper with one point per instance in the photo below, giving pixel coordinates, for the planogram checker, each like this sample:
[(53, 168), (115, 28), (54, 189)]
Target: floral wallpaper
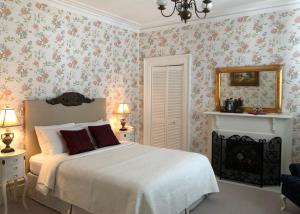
[(45, 51), (271, 38), (262, 95)]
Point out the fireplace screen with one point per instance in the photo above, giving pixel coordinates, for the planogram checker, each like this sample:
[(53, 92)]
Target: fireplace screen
[(246, 160)]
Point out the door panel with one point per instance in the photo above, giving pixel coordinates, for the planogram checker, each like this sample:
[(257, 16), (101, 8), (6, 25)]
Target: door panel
[(167, 107), (174, 107), (158, 106)]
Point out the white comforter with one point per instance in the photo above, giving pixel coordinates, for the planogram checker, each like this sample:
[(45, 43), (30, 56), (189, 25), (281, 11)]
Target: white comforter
[(129, 179)]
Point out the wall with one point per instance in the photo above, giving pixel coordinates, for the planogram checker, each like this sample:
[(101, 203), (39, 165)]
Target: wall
[(257, 40), (45, 51)]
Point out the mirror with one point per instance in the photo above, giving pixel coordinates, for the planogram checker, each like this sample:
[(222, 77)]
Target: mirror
[(257, 86)]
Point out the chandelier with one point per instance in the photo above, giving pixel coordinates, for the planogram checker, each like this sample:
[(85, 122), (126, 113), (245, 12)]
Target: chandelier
[(184, 8)]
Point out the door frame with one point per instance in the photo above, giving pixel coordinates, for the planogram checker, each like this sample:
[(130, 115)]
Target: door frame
[(186, 61)]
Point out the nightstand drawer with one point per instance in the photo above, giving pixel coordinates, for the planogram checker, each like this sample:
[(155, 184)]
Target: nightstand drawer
[(15, 171), (12, 167), (18, 160), (125, 136)]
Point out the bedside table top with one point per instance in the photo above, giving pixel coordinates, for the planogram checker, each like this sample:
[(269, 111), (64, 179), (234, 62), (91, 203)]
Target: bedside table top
[(12, 154), (129, 130)]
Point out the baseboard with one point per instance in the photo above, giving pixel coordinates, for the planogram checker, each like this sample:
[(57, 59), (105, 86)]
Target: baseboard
[(276, 189)]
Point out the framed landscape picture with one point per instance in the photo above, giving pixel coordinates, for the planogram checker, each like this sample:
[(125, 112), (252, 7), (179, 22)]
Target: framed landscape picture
[(244, 79)]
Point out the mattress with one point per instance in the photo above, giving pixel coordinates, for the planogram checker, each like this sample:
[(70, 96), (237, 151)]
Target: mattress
[(35, 163)]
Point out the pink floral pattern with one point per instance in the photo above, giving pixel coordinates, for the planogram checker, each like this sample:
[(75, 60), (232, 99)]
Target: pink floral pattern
[(45, 51), (272, 38)]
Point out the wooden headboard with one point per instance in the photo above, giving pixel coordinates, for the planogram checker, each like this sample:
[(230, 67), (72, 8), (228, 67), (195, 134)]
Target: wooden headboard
[(69, 107)]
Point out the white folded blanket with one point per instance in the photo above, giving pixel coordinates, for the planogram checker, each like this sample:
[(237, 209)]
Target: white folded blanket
[(129, 179)]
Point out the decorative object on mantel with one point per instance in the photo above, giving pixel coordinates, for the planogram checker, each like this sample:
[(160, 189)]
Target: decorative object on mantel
[(184, 8), (70, 99), (268, 92), (123, 109), (258, 111), (244, 159), (233, 106), (8, 119)]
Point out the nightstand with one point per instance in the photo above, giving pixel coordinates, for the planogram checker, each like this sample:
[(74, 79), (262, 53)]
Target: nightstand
[(13, 168), (128, 135)]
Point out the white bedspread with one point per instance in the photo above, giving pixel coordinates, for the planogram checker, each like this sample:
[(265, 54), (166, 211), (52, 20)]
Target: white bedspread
[(129, 179)]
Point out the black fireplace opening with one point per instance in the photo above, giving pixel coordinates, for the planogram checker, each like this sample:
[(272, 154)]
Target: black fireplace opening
[(243, 156), (246, 160)]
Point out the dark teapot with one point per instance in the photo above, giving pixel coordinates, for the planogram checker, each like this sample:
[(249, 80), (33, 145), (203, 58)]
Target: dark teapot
[(233, 105)]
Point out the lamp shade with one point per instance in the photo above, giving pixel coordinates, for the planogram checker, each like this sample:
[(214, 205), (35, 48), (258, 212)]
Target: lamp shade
[(123, 108), (8, 118)]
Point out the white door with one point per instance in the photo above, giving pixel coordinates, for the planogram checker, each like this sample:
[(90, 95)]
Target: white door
[(167, 107), (167, 101)]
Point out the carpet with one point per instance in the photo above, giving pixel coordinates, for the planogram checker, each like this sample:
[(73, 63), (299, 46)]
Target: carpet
[(232, 199), (237, 199)]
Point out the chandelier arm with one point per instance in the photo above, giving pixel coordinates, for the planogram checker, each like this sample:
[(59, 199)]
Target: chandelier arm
[(169, 14), (177, 5), (197, 12), (184, 8), (192, 2)]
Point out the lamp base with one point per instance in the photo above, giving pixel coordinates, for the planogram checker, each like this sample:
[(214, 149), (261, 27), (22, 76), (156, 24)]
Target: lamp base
[(7, 150), (123, 123), (7, 138)]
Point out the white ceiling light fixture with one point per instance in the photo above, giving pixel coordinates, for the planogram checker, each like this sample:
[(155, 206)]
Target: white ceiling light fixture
[(184, 8)]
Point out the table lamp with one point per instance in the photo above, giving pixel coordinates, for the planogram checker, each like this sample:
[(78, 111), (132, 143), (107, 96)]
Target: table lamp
[(8, 119), (123, 109)]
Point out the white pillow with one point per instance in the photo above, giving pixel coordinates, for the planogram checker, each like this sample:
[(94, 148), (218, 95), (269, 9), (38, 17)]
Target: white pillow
[(50, 140), (86, 127), (95, 123)]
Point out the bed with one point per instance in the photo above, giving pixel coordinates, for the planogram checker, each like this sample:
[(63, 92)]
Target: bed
[(128, 178)]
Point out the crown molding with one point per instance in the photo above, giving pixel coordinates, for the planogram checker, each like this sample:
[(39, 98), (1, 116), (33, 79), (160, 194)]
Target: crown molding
[(247, 10), (92, 12)]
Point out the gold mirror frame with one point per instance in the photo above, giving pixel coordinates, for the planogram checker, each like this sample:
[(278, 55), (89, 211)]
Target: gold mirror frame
[(272, 68)]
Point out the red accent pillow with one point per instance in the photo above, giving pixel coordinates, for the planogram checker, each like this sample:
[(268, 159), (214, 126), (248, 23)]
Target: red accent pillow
[(77, 141), (103, 135)]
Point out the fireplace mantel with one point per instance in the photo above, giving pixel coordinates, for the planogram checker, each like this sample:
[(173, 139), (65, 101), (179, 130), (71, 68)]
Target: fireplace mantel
[(269, 115), (265, 126)]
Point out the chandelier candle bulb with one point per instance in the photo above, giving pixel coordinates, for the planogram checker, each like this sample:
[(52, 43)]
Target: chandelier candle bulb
[(208, 6), (161, 2)]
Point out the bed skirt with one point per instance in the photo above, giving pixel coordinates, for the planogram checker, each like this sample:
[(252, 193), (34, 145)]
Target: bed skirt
[(64, 207), (50, 201)]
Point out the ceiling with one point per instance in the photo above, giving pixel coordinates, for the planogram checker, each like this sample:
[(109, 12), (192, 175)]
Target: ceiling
[(146, 14)]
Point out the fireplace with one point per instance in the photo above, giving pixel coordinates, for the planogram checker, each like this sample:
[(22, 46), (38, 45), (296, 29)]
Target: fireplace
[(243, 159)]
